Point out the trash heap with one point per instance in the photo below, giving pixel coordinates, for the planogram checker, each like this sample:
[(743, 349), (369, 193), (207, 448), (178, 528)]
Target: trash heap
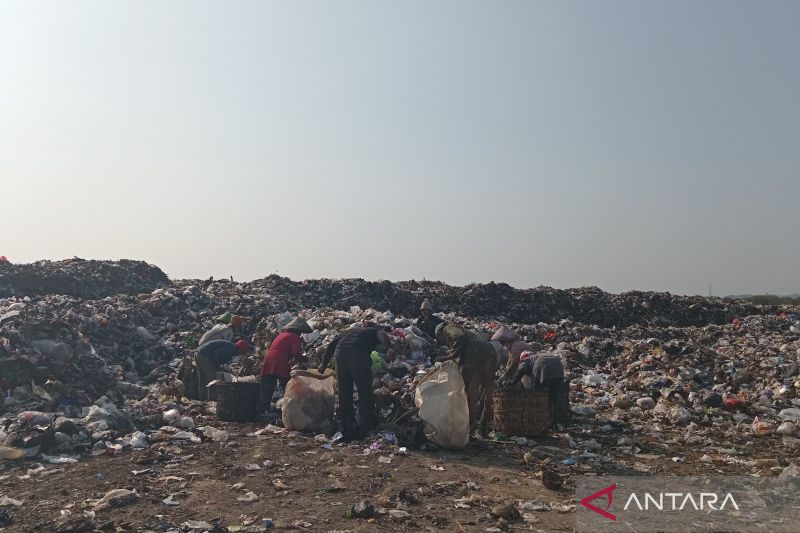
[(588, 305), (89, 354), (81, 278)]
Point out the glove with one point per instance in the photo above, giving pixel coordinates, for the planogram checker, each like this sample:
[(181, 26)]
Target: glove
[(322, 368)]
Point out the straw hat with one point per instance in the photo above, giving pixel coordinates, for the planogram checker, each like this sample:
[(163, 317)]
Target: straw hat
[(298, 325)]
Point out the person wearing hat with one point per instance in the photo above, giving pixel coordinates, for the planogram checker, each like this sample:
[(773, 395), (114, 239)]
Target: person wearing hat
[(276, 367), (211, 356), (511, 341), (427, 321), (351, 352)]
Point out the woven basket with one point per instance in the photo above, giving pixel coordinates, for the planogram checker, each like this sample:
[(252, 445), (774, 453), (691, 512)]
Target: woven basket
[(238, 402), (521, 412)]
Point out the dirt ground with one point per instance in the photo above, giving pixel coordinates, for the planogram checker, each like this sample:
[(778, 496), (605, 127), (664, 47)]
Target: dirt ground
[(306, 488), (304, 484)]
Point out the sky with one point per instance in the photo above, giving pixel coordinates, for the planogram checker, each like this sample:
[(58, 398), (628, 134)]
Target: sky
[(624, 144)]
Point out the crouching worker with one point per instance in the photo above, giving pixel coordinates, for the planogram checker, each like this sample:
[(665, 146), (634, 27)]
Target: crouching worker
[(351, 354), (543, 371), (478, 361), (276, 367), (211, 356)]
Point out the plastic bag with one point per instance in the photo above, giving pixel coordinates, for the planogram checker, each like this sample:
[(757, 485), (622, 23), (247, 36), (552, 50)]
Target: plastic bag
[(442, 402), (378, 363), (218, 332), (173, 418), (34, 418), (309, 401), (761, 428)]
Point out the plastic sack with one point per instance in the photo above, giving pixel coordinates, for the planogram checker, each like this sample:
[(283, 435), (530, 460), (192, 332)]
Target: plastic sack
[(442, 402), (105, 411), (218, 332), (761, 428), (309, 401), (34, 418), (173, 418), (378, 363)]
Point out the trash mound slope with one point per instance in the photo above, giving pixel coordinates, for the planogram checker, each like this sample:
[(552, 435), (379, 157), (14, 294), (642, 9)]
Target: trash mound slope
[(90, 279)]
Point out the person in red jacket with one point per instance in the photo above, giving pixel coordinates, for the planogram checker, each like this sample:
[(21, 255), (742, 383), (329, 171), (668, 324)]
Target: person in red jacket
[(276, 368)]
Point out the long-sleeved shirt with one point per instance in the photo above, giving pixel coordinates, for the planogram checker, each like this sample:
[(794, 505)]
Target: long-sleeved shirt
[(547, 367), (356, 341), (466, 348), (428, 324), (285, 347), (219, 352), (515, 350)]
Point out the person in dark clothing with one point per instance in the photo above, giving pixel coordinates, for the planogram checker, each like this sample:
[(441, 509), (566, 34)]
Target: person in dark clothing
[(478, 361), (546, 372), (427, 321), (351, 354), (211, 356)]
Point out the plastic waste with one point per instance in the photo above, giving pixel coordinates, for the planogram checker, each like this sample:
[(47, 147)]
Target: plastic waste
[(249, 496), (792, 414), (761, 428), (789, 473), (144, 334), (582, 410), (8, 501), (218, 332), (217, 435), (442, 403), (116, 498), (378, 363), (105, 411), (309, 401), (138, 440), (646, 403), (58, 460), (11, 454), (173, 418), (34, 418)]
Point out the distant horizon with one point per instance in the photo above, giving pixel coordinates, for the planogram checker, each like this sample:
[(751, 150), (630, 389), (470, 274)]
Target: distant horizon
[(620, 144), (396, 280)]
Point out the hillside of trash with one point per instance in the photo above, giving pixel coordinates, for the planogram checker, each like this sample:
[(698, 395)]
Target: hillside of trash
[(90, 353), (94, 280)]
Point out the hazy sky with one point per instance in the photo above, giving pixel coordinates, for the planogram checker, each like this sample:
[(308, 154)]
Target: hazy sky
[(629, 145)]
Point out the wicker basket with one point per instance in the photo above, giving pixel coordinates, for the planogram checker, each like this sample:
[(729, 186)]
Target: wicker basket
[(237, 401), (521, 412)]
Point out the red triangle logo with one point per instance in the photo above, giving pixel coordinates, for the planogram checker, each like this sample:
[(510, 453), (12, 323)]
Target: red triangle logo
[(608, 492)]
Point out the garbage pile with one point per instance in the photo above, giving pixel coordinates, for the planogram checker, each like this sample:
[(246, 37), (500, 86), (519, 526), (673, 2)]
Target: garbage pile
[(79, 277), (588, 305), (107, 366), (703, 393)]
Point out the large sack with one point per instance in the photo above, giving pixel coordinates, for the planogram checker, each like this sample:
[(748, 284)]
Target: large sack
[(309, 401), (218, 332), (442, 403)]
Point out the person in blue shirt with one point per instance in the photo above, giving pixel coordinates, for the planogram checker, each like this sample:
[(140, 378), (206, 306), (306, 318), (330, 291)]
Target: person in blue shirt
[(211, 356)]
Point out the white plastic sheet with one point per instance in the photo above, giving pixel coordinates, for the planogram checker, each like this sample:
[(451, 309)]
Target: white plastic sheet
[(309, 401), (442, 402)]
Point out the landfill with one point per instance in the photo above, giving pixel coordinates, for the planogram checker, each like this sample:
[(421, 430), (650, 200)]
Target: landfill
[(91, 354)]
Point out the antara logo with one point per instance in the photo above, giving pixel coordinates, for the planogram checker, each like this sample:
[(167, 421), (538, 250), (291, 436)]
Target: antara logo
[(608, 492), (669, 501)]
